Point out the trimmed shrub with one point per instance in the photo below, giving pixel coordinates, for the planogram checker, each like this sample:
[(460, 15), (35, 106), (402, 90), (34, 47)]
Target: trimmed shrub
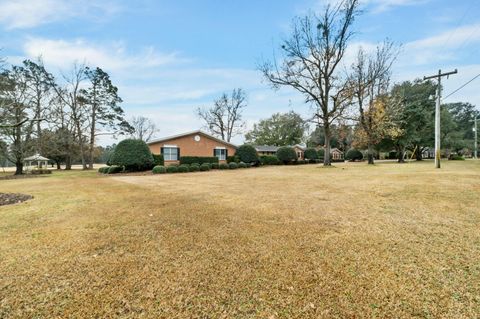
[(134, 155), (310, 153), (456, 157), (301, 162), (214, 166), (159, 169), (195, 167), (198, 159), (286, 154), (223, 166), (103, 170), (233, 165), (233, 159), (247, 154), (242, 165), (183, 168), (321, 154), (354, 155), (158, 160), (114, 169), (269, 160), (205, 167), (172, 169), (39, 171)]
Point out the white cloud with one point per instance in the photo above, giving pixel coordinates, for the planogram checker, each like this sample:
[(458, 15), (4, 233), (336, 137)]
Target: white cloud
[(20, 14), (112, 57), (375, 6)]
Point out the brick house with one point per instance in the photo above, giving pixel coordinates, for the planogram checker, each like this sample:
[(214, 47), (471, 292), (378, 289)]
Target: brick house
[(196, 143)]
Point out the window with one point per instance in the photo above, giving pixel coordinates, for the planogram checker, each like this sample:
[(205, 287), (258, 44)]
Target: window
[(221, 153), (170, 153)]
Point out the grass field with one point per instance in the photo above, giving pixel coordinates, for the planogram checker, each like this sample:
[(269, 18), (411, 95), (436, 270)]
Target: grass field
[(388, 241)]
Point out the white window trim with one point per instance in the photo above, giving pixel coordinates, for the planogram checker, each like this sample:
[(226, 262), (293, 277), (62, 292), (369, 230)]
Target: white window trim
[(169, 145)]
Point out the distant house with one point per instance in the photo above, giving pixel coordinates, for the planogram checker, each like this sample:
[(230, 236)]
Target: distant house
[(272, 150), (336, 154), (196, 143)]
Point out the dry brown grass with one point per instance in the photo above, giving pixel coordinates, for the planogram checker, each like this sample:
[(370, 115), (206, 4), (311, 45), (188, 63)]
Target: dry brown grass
[(392, 240)]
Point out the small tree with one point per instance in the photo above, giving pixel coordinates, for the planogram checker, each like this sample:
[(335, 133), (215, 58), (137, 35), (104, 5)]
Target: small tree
[(134, 155), (354, 155), (247, 154), (311, 154), (286, 154)]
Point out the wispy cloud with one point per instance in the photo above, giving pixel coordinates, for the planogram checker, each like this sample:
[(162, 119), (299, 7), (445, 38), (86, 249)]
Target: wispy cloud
[(112, 56), (22, 14), (375, 6)]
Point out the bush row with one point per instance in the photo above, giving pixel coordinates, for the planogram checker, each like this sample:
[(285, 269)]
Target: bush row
[(195, 167), (198, 159)]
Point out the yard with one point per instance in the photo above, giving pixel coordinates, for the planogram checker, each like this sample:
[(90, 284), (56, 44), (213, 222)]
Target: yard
[(275, 242)]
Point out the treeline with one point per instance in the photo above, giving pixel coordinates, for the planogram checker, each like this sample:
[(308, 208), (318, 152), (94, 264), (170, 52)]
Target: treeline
[(59, 117)]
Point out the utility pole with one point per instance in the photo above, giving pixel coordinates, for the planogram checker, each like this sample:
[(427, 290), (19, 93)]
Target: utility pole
[(475, 146), (437, 111)]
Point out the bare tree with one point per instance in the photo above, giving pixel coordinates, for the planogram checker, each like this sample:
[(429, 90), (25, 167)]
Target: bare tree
[(370, 80), (70, 95), (143, 128), (224, 119), (311, 59)]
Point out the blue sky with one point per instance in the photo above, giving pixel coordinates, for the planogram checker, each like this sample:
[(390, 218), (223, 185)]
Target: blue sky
[(169, 57)]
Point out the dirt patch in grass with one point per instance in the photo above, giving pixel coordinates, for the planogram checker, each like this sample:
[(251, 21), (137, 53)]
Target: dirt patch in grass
[(13, 198)]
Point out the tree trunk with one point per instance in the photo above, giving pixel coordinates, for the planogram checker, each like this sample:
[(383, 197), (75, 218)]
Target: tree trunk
[(326, 159), (68, 163), (370, 154), (82, 147), (92, 140), (418, 153), (401, 154), (18, 168), (58, 164)]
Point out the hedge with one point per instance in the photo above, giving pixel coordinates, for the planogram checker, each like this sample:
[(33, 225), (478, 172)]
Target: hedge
[(205, 167), (172, 169), (247, 154), (242, 165), (132, 154), (198, 159), (311, 154), (195, 167), (233, 165), (183, 168), (159, 169), (286, 154), (158, 160), (233, 158), (456, 157), (115, 169), (321, 154), (354, 155), (214, 166), (223, 166), (269, 160), (103, 170)]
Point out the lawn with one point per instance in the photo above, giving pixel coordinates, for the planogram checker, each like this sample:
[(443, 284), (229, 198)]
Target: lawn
[(391, 240)]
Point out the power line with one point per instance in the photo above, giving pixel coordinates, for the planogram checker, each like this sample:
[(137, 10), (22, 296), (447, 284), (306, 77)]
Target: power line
[(461, 87)]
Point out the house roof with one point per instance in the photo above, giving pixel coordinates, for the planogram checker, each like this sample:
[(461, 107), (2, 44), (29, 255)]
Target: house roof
[(200, 132), (266, 148), (336, 150), (36, 157)]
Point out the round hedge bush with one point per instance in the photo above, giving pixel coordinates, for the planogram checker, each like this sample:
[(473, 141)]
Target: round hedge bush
[(172, 169), (242, 165), (205, 167), (354, 155), (214, 166), (159, 169), (103, 170), (301, 162), (286, 154), (194, 168), (321, 154), (247, 154), (132, 154), (310, 153), (233, 165), (114, 169), (183, 168), (223, 166)]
